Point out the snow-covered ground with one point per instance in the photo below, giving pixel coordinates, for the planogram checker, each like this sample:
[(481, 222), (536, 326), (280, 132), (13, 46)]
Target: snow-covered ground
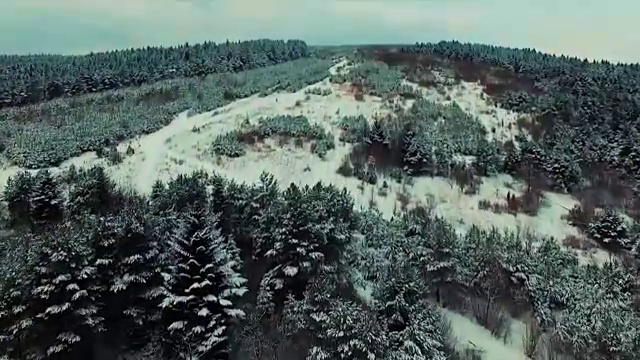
[(184, 146), (472, 335)]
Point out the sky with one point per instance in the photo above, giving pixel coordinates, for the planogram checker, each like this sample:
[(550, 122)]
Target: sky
[(586, 28)]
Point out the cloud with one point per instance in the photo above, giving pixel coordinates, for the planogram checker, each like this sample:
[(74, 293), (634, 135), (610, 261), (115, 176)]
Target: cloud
[(589, 28)]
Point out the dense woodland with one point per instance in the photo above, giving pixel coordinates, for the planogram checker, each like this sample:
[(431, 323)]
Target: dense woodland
[(48, 133), (35, 78), (587, 114), (210, 268), (207, 268)]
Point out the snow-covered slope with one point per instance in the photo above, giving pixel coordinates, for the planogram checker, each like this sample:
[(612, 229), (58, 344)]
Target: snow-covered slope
[(184, 146)]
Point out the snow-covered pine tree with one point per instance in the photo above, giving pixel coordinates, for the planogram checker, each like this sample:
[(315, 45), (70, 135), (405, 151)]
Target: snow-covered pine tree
[(563, 172), (339, 328), (418, 152), (608, 229), (630, 152), (423, 337), (17, 194), (90, 191), (203, 286), (185, 193), (414, 328), (487, 161), (512, 159), (378, 134), (598, 320), (62, 309), (12, 318), (432, 247), (158, 202), (264, 212), (46, 199), (128, 267), (314, 226), (532, 154)]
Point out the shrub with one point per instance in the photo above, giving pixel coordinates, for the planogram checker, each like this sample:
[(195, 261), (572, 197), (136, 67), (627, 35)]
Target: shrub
[(580, 216), (345, 169), (318, 91), (285, 127), (354, 129), (375, 79), (228, 145)]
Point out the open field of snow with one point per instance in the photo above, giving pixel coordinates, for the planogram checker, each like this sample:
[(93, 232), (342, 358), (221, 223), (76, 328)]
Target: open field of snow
[(184, 146)]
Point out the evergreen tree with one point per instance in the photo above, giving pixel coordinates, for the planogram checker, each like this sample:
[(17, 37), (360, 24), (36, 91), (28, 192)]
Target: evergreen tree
[(415, 329), (90, 192), (62, 309), (128, 268), (341, 329), (487, 160), (378, 134), (46, 199), (609, 229), (185, 194), (314, 227), (431, 245), (418, 152), (202, 288), (512, 159), (34, 200), (17, 193), (13, 321)]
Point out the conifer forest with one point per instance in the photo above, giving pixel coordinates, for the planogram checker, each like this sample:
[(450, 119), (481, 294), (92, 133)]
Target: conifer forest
[(206, 267)]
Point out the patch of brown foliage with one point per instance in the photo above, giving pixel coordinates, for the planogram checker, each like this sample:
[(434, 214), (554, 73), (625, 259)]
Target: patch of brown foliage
[(578, 242), (353, 89), (419, 68), (466, 178), (528, 203)]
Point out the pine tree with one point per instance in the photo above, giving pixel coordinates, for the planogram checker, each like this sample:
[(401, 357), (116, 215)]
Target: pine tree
[(46, 199), (35, 200), (157, 200), (378, 134), (422, 337), (90, 192), (185, 193), (62, 309), (532, 155), (512, 159), (128, 267), (202, 288), (431, 245), (17, 193), (609, 229), (418, 152), (487, 160), (314, 226), (13, 321), (341, 328), (415, 329)]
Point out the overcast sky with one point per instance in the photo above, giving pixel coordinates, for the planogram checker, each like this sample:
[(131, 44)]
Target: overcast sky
[(587, 28)]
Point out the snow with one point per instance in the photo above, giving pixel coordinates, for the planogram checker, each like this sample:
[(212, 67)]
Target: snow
[(470, 334), (183, 147)]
